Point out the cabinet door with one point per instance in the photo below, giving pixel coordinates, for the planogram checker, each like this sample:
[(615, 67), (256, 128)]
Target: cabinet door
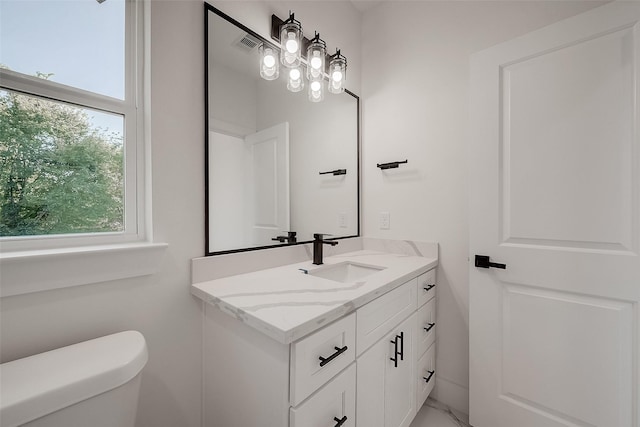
[(386, 380), (333, 404)]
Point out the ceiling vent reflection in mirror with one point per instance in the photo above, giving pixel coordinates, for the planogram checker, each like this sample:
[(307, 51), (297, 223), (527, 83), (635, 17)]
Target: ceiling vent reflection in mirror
[(247, 43)]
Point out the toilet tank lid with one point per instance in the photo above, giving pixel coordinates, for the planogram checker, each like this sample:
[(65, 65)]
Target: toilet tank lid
[(44, 383)]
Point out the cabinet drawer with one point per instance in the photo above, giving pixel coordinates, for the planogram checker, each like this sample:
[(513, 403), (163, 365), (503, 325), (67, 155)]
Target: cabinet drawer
[(378, 317), (426, 375), (426, 286), (330, 404), (320, 356), (426, 326)]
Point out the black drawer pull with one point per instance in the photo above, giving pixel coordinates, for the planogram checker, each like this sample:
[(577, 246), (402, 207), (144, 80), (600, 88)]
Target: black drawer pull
[(340, 421), (395, 351), (431, 325), (429, 287), (339, 351), (427, 379), (398, 340)]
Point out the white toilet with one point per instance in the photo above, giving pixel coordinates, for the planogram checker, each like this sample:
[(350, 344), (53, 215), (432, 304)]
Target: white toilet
[(91, 384)]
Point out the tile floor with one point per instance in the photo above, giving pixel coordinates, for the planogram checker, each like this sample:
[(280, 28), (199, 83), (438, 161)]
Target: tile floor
[(435, 414)]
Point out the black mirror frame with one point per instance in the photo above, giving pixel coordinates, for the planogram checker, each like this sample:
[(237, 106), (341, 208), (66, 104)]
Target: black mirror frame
[(209, 8)]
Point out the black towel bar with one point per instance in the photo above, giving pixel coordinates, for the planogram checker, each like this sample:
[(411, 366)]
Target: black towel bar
[(335, 172), (391, 165)]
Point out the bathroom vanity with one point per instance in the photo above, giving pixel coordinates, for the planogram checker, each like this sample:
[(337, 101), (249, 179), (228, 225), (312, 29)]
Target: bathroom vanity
[(348, 343)]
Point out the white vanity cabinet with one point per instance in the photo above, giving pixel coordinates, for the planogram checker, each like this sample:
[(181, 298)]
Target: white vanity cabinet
[(368, 368), (251, 380), (396, 375), (385, 384)]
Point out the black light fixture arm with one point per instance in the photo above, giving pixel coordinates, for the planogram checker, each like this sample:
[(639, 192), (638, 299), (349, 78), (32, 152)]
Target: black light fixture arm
[(291, 19), (317, 38), (277, 22), (338, 55)]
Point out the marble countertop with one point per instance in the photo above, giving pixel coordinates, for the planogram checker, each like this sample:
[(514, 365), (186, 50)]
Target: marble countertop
[(286, 304)]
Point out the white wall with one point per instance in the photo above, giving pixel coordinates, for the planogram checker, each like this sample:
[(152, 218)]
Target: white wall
[(232, 105), (415, 58), (227, 227), (160, 306)]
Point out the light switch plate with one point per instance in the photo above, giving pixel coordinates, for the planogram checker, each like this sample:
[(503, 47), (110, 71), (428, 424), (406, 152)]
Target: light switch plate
[(385, 221), (342, 220)]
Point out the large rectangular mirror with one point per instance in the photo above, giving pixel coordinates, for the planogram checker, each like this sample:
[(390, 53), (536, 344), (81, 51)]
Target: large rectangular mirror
[(275, 162)]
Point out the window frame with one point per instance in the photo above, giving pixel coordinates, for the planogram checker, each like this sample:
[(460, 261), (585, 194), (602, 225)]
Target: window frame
[(134, 137), (42, 263)]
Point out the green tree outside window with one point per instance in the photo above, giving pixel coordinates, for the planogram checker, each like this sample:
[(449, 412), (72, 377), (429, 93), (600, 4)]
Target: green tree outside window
[(58, 173)]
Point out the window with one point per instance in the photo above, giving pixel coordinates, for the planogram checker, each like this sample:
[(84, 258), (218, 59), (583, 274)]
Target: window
[(71, 144), (71, 153)]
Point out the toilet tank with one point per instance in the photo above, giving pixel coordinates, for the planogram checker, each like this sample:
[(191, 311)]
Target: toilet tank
[(90, 384)]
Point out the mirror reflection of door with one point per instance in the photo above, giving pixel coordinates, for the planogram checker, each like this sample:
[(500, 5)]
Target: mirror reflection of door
[(249, 182), (266, 192)]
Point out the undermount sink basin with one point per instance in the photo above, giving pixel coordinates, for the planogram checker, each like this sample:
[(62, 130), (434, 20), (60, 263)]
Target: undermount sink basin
[(345, 272)]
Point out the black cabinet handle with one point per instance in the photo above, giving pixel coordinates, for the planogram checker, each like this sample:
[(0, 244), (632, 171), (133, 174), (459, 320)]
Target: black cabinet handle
[(339, 351), (427, 379), (395, 352), (398, 340), (429, 287), (340, 421), (482, 261), (430, 326)]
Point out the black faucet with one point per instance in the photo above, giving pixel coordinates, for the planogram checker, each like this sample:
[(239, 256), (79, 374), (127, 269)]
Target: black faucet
[(317, 247), (289, 238)]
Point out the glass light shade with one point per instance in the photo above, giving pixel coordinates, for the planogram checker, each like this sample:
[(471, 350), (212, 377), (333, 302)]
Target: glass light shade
[(337, 73), (291, 42), (316, 53), (295, 82), (269, 69), (316, 90)]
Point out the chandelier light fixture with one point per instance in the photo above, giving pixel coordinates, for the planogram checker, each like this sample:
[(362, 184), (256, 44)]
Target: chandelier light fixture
[(295, 82), (337, 72), (316, 90), (269, 69), (316, 55), (302, 58), (290, 42)]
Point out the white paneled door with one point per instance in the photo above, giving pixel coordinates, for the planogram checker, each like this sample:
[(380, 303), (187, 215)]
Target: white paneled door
[(555, 196), (267, 210)]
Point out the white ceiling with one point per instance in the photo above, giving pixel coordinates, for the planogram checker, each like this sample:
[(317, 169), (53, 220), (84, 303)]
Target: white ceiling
[(365, 5)]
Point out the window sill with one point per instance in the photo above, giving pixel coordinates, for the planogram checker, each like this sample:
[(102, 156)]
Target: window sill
[(34, 271)]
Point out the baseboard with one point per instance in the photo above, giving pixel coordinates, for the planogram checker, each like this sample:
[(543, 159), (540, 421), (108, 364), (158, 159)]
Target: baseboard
[(453, 395)]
